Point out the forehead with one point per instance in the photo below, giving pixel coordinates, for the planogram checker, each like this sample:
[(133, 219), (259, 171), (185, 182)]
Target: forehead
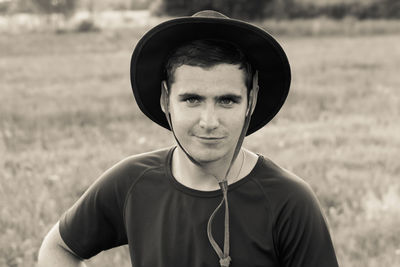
[(219, 79)]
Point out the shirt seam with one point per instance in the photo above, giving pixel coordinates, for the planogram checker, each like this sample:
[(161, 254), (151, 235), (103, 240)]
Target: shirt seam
[(270, 215), (131, 189)]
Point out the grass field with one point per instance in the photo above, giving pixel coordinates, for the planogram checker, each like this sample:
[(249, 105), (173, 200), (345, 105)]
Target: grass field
[(67, 114)]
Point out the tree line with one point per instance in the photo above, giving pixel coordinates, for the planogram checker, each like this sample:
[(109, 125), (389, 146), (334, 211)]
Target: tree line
[(284, 9), (242, 9)]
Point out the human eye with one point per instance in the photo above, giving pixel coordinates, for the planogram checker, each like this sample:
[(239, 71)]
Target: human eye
[(190, 99), (226, 101), (229, 101)]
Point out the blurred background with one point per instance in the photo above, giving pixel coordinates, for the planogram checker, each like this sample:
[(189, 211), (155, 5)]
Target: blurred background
[(67, 112)]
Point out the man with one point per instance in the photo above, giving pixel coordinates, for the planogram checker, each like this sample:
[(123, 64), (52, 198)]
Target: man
[(211, 80)]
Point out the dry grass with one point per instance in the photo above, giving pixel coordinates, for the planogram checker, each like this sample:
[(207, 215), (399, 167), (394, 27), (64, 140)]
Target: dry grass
[(67, 114)]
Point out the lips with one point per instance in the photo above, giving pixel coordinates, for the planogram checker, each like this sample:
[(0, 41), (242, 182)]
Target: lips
[(211, 137)]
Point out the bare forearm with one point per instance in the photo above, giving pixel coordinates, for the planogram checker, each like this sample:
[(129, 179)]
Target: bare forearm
[(54, 252), (57, 256)]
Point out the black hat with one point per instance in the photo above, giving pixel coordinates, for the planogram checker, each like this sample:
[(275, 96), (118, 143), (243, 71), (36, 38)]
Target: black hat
[(262, 51)]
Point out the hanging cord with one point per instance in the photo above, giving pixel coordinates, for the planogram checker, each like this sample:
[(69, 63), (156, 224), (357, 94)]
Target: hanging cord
[(224, 258)]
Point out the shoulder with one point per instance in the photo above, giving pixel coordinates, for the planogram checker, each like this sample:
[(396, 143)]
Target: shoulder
[(271, 176), (300, 231), (111, 188), (136, 164), (283, 189), (127, 171), (148, 160)]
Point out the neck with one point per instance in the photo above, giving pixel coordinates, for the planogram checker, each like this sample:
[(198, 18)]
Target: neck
[(204, 176)]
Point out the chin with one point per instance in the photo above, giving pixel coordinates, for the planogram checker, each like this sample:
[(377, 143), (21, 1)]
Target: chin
[(208, 151), (207, 155)]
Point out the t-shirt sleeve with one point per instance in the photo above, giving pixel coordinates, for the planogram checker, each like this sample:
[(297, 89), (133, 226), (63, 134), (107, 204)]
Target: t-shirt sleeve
[(302, 234), (95, 222)]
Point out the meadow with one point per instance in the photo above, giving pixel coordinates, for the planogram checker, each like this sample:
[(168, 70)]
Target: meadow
[(67, 113)]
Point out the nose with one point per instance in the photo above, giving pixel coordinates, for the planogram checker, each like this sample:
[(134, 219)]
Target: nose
[(208, 118)]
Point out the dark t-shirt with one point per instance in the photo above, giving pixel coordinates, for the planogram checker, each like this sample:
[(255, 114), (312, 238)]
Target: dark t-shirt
[(275, 219)]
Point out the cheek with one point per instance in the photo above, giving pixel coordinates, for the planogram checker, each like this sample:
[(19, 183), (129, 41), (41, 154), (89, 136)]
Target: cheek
[(181, 119), (234, 116), (234, 121)]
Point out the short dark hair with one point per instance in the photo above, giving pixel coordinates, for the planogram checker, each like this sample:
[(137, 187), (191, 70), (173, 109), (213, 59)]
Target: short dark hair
[(207, 53)]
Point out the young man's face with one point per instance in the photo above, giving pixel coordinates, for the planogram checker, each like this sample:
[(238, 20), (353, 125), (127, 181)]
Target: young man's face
[(208, 108)]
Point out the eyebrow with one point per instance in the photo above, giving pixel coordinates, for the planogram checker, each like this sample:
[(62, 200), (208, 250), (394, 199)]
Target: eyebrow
[(234, 97), (190, 95)]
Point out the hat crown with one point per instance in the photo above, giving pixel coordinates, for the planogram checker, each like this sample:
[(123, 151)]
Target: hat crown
[(209, 14)]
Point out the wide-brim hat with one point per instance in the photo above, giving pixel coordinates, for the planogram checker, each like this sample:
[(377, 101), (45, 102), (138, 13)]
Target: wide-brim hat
[(262, 51)]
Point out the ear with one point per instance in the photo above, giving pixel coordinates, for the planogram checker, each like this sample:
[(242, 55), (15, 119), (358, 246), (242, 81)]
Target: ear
[(164, 97), (253, 94)]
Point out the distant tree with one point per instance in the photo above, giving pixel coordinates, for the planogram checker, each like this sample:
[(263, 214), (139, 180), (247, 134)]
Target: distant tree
[(282, 9), (383, 9), (248, 9), (65, 7), (140, 4), (24, 6), (4, 6)]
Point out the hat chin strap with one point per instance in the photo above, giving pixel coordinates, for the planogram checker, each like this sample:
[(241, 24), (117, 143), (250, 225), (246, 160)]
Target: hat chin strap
[(224, 258)]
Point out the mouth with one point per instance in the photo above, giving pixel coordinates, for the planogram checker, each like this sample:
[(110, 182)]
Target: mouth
[(210, 139)]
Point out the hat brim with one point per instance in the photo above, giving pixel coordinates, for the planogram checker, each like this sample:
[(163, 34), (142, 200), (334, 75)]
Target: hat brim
[(262, 50)]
